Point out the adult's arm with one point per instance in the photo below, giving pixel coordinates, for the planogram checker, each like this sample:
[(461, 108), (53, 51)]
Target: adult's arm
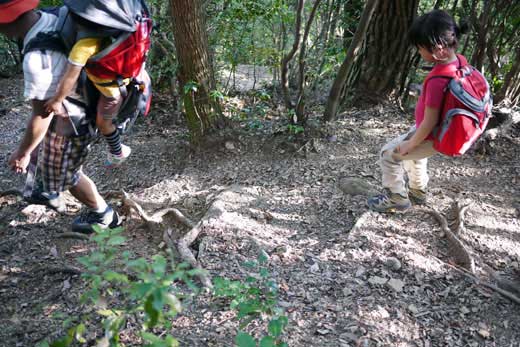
[(36, 128)]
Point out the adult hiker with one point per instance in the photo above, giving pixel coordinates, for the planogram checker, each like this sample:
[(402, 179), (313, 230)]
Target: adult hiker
[(65, 141)]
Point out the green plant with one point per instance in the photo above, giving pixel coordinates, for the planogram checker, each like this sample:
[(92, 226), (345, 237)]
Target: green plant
[(121, 287), (216, 95), (255, 298), (190, 87), (295, 129)]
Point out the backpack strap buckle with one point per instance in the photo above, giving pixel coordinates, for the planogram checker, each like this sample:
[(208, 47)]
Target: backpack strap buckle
[(122, 86)]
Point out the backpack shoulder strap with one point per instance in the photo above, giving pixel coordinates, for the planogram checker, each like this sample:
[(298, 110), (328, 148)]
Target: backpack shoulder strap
[(447, 71), (61, 38)]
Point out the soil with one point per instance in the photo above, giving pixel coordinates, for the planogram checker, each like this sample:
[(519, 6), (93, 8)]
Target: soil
[(347, 276)]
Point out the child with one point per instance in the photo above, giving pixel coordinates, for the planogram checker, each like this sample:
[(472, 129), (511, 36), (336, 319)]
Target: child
[(110, 99), (435, 35)]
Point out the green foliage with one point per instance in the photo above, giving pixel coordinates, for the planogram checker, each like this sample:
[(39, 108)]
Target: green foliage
[(244, 32), (128, 286), (295, 129), (255, 298), (190, 87)]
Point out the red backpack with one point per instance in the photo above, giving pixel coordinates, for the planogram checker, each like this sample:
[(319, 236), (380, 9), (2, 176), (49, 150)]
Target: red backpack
[(466, 108), (125, 57)]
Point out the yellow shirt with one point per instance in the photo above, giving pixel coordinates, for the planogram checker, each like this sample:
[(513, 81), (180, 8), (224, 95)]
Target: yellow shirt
[(82, 51)]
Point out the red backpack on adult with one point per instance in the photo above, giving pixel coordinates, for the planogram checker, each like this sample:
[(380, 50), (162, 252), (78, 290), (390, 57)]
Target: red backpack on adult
[(466, 108)]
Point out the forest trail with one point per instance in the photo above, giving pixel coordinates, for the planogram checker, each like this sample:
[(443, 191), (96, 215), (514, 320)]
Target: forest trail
[(347, 276)]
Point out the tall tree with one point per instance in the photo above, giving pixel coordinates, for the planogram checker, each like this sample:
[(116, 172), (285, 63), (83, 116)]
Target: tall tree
[(352, 53), (195, 74), (387, 54), (284, 73)]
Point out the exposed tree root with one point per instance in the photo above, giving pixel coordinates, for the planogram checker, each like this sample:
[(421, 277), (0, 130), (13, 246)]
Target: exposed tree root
[(456, 248), (457, 225), (163, 219), (465, 260), (478, 281), (503, 283)]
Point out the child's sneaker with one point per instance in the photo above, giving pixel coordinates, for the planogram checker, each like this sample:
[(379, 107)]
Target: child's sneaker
[(417, 196), (389, 202), (116, 160)]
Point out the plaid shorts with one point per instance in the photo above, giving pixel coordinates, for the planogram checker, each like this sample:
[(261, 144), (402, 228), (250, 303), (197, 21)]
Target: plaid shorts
[(61, 160)]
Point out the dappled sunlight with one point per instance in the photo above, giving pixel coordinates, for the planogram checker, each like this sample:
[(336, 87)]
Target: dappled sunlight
[(412, 250), (390, 321), (511, 226), (496, 243)]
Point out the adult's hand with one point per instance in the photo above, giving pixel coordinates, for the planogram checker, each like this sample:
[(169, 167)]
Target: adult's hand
[(54, 107), (18, 161)]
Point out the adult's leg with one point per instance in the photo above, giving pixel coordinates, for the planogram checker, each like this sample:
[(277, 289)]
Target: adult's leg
[(86, 192)]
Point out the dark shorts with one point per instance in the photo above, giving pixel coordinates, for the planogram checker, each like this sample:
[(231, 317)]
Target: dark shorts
[(61, 160)]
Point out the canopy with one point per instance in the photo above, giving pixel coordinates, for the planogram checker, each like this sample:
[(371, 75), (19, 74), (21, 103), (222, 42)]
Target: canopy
[(116, 14)]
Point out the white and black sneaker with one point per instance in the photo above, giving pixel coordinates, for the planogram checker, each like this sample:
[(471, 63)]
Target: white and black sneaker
[(85, 222), (52, 200)]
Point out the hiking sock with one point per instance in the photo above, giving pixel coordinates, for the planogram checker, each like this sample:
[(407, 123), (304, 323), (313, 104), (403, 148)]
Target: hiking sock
[(114, 143), (101, 206)]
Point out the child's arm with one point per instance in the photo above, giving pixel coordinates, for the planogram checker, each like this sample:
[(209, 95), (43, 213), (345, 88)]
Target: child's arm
[(67, 83), (431, 119)]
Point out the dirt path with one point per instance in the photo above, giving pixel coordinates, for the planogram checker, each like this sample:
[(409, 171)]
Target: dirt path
[(382, 283)]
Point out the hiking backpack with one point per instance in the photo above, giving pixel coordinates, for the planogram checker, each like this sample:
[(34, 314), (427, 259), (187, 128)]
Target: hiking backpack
[(466, 107), (129, 23)]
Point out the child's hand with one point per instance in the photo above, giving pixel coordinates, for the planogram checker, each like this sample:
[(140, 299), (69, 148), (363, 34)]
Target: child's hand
[(405, 147), (54, 106)]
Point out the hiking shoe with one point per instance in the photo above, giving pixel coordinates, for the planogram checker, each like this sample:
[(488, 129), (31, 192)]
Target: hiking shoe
[(417, 196), (389, 202), (85, 222), (116, 160), (52, 200)]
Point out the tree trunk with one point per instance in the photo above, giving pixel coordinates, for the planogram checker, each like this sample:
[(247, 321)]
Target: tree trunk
[(352, 53), (481, 27), (387, 51), (300, 104), (196, 78), (511, 82), (284, 73)]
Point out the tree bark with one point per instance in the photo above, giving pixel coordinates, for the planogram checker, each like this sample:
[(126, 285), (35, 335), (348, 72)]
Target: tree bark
[(352, 53), (284, 73), (511, 82), (387, 53), (481, 26), (300, 105), (195, 74)]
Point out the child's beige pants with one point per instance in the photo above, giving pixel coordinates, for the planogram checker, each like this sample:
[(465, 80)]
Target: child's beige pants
[(394, 165)]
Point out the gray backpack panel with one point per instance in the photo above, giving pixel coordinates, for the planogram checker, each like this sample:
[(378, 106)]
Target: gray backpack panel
[(116, 14)]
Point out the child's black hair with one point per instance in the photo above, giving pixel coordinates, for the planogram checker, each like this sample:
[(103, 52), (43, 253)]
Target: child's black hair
[(436, 28)]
